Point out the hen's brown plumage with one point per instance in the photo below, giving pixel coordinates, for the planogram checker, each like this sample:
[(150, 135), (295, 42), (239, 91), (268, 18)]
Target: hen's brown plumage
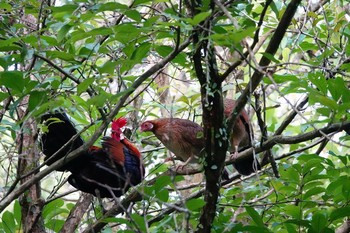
[(240, 138), (185, 138), (182, 137)]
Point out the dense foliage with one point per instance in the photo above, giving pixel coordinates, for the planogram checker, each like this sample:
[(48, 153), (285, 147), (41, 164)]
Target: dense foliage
[(287, 63)]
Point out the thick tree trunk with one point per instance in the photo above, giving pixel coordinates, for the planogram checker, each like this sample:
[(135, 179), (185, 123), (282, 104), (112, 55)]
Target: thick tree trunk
[(31, 202)]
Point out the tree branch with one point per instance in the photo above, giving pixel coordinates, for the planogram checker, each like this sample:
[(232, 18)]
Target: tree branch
[(77, 213), (271, 49)]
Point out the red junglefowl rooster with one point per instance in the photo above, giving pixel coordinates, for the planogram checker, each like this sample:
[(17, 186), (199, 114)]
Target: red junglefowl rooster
[(104, 172), (185, 138)]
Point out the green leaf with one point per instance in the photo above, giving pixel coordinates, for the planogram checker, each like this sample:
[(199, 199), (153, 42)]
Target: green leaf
[(319, 81), (102, 31), (195, 204), (83, 86), (5, 6), (141, 52), (124, 33), (271, 58), (308, 46), (9, 222), (339, 213), (108, 67), (161, 183), (13, 80), (17, 212), (325, 100), (313, 191), (290, 174), (51, 208), (255, 216), (49, 40), (110, 6), (61, 34), (293, 211), (55, 224), (36, 98), (133, 14), (60, 55), (3, 96), (138, 2), (140, 221), (319, 222), (163, 195), (98, 100), (199, 18), (299, 223), (346, 190), (338, 89), (164, 50)]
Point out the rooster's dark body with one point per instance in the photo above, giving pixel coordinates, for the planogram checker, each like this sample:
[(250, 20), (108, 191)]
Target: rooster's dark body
[(105, 172)]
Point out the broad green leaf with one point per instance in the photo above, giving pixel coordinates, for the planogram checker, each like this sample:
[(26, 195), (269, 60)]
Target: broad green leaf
[(290, 174), (198, 18), (293, 211), (98, 100), (5, 6), (163, 195), (271, 58), (12, 80), (61, 55), (61, 34), (162, 182), (338, 89), (141, 52), (312, 192), (138, 2), (111, 6), (55, 224), (8, 221), (133, 14), (51, 208), (195, 204), (255, 216), (3, 96), (346, 190), (284, 78), (61, 13), (319, 222), (125, 33), (308, 46), (36, 98), (140, 221), (108, 67), (297, 222), (83, 86), (317, 98), (319, 81), (339, 213), (290, 228), (49, 40), (164, 51), (79, 35)]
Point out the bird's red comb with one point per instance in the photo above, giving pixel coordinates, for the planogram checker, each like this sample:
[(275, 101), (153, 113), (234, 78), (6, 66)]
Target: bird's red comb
[(119, 123)]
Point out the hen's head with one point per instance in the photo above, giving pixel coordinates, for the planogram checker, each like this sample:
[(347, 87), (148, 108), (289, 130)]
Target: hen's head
[(117, 126), (146, 126)]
